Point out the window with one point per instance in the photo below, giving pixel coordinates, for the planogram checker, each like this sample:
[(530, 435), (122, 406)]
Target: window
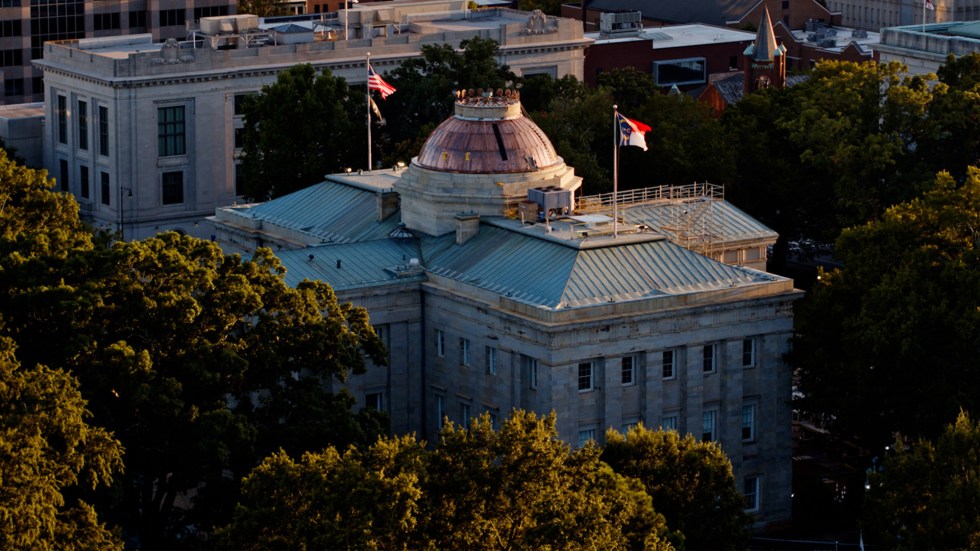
[(586, 376), (708, 426), (440, 410), (170, 131), (680, 71), (240, 100), (104, 187), (530, 366), (748, 422), (171, 18), (440, 343), (585, 436), (11, 58), (209, 11), (106, 21), (629, 370), (103, 131), (750, 489), (494, 418), (464, 415), (173, 188), (464, 351), (748, 352), (239, 138), (137, 20), (10, 28), (628, 426), (668, 364), (63, 175), (13, 87), (708, 358), (82, 125), (669, 422), (83, 181), (62, 111), (491, 360), (239, 180), (375, 401)]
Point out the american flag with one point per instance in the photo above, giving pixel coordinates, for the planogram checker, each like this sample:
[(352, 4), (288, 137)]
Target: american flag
[(375, 82)]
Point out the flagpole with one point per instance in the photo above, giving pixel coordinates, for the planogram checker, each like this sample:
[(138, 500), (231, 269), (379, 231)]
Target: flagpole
[(367, 72), (616, 132)]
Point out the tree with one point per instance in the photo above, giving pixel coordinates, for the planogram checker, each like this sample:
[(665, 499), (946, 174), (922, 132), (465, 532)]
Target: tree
[(48, 450), (905, 304), (519, 487), (690, 482), (928, 494), (263, 8), (550, 7), (953, 143), (630, 87), (299, 128)]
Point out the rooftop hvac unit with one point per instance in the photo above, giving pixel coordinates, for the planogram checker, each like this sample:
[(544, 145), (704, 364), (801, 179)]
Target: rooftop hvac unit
[(828, 43), (552, 199), (612, 23)]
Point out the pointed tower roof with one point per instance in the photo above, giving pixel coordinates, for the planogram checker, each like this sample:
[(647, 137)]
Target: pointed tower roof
[(764, 48)]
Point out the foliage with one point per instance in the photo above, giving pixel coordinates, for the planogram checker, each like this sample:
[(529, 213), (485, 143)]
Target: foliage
[(200, 363), (954, 117), (690, 482), (549, 7), (263, 8), (48, 448), (519, 487), (299, 128), (904, 305), (928, 494), (631, 88)]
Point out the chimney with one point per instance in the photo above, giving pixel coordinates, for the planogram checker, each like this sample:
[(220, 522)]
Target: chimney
[(467, 227), (387, 204)]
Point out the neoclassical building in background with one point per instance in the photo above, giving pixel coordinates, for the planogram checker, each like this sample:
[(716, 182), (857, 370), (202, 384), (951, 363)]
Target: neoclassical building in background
[(147, 135), (496, 284)]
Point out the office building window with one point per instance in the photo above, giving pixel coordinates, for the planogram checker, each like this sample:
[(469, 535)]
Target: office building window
[(440, 343), (629, 370), (464, 415), (83, 181), (494, 416), (104, 188), (10, 28), (491, 360), (106, 21), (239, 138), (708, 358), (748, 352), (375, 401), (668, 364), (210, 11), (464, 351), (63, 175), (173, 188), (103, 131), (172, 18), (669, 422), (170, 131), (11, 58), (585, 436), (530, 366), (82, 125), (748, 422), (708, 426), (137, 20), (586, 376), (750, 489), (13, 87), (62, 119)]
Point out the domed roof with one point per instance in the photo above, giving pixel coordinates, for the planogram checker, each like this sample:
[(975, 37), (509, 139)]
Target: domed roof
[(487, 135)]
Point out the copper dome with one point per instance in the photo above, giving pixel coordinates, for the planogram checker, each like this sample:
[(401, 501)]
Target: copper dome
[(487, 137)]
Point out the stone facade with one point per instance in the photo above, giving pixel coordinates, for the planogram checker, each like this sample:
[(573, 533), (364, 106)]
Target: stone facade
[(127, 86)]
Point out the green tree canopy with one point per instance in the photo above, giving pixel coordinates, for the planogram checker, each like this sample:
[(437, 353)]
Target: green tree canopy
[(904, 306), (47, 449), (298, 129), (927, 496), (263, 8), (516, 488), (690, 482)]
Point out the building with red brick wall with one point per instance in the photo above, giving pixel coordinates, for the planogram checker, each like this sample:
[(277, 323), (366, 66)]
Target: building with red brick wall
[(794, 14), (684, 55)]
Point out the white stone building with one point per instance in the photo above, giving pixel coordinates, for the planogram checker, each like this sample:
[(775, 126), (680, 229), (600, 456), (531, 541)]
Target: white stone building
[(146, 135), (495, 286), (873, 15), (924, 48)]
